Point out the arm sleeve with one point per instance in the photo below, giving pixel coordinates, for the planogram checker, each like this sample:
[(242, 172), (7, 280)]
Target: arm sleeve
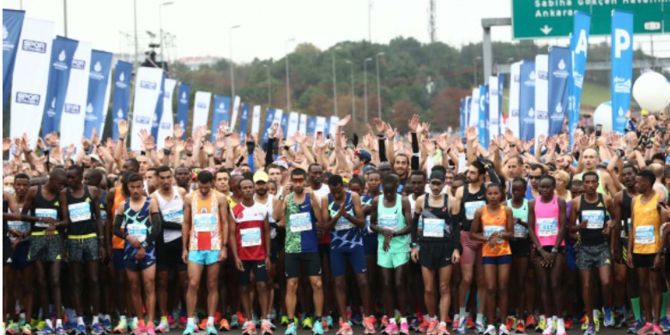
[(382, 150), (170, 225), (415, 153), (456, 234), (118, 221), (156, 223)]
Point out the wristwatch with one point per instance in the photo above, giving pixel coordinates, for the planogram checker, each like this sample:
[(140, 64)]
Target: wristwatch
[(554, 250)]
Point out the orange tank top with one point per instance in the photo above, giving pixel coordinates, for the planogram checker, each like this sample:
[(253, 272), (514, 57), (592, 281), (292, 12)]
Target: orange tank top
[(119, 198), (205, 230), (495, 222)]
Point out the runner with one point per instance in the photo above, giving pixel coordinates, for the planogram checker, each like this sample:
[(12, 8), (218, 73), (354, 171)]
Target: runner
[(204, 244), (390, 219), (520, 245), (436, 247)]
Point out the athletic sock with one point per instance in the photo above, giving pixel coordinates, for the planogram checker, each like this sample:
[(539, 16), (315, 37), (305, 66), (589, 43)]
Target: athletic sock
[(80, 320), (49, 324), (96, 319), (210, 321), (190, 321), (462, 313), (480, 318), (59, 323)]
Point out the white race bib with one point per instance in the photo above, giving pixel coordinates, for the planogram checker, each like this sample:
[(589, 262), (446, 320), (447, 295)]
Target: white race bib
[(45, 213), (547, 227), (80, 211), (388, 221), (645, 235), (595, 219), (174, 215), (138, 231), (520, 231), (250, 237), (204, 222), (490, 230), (300, 222), (433, 227), (471, 207)]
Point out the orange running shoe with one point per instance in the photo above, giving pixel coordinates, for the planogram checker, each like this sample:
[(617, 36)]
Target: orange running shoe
[(203, 324), (531, 322), (470, 323), (511, 321), (224, 325), (520, 327)]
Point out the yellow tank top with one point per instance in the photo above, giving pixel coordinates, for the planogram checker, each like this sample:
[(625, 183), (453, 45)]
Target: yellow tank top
[(495, 222), (205, 230), (119, 198), (646, 225)]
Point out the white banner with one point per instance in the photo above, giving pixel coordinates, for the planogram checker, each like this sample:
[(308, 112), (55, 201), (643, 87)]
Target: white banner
[(201, 109), (302, 124), (278, 116), (494, 107), (29, 81), (320, 124), (293, 120), (236, 108), (514, 83), (166, 126), (147, 92), (541, 96), (256, 120), (334, 120), (473, 120), (74, 111)]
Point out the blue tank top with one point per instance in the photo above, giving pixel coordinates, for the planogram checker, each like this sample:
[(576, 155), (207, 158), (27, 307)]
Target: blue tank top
[(345, 235)]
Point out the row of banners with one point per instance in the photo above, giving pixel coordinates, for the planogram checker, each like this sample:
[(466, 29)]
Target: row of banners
[(58, 84), (545, 92)]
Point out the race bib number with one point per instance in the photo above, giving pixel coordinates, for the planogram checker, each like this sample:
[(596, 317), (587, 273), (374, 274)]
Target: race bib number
[(490, 230), (343, 224), (547, 227), (433, 227), (138, 231), (595, 219), (19, 226), (174, 215), (45, 213), (471, 207), (645, 235), (300, 222), (520, 231), (388, 221), (205, 222), (79, 212), (250, 237)]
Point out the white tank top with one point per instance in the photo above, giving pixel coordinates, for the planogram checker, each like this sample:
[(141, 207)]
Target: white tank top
[(173, 211), (268, 205)]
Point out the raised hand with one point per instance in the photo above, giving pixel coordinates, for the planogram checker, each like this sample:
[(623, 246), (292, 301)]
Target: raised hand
[(389, 131), (413, 123), (343, 121), (208, 148), (178, 131), (442, 141), (123, 128), (378, 125), (168, 143), (6, 144), (471, 134), (95, 139)]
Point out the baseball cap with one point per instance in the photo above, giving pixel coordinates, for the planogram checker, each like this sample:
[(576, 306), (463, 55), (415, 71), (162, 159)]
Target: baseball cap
[(437, 174), (364, 155), (261, 176)]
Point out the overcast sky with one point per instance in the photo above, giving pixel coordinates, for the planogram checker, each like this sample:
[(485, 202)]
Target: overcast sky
[(202, 27)]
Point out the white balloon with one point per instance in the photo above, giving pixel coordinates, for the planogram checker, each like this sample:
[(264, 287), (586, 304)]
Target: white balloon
[(603, 116), (651, 91)]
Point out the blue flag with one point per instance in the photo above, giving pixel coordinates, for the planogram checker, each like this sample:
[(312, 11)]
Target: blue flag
[(579, 46), (158, 112), (244, 120), (560, 64), (527, 101), (121, 96), (622, 67), (269, 117), (461, 113), (221, 113), (98, 81), (182, 106), (311, 125), (482, 125), (284, 123), (62, 53), (12, 21)]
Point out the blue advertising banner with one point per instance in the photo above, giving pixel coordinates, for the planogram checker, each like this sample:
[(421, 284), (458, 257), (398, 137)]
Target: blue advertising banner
[(244, 120), (221, 114), (579, 46), (284, 124), (269, 118), (121, 96), (98, 89), (12, 21), (560, 64), (182, 106), (311, 125), (622, 68), (461, 110), (482, 125), (527, 100), (62, 54)]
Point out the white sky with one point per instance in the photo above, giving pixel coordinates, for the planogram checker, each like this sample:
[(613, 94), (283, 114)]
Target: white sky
[(202, 26)]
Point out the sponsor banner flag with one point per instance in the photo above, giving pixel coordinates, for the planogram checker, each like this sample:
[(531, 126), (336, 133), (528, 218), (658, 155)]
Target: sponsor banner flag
[(461, 114), (579, 45), (166, 126), (98, 92), (514, 89), (244, 119), (121, 95), (494, 107), (12, 22), (527, 101), (158, 112), (473, 119), (482, 125), (541, 96), (29, 79), (256, 120), (464, 114), (560, 64), (236, 108), (201, 109), (302, 125), (182, 107), (293, 123), (221, 114), (148, 85), (622, 68), (74, 111), (269, 120), (284, 123), (311, 125), (332, 125), (321, 125), (62, 54)]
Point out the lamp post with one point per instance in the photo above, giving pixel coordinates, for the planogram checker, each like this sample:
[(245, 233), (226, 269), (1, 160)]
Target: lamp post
[(353, 96), (288, 86), (160, 28), (332, 53), (379, 95), (267, 67), (232, 65), (65, 17), (365, 86)]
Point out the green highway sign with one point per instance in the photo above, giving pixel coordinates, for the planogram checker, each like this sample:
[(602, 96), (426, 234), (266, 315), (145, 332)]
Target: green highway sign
[(553, 18)]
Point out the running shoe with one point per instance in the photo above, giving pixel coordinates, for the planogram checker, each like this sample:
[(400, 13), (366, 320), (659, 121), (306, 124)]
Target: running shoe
[(470, 323), (531, 322), (150, 329), (107, 324), (26, 329), (415, 324), (211, 330), (385, 321), (608, 321), (454, 325), (590, 329), (503, 330), (461, 329), (635, 327), (266, 327), (356, 319), (97, 329), (189, 329), (163, 325), (317, 328), (423, 326), (172, 322), (432, 326), (391, 329), (584, 321), (308, 322), (249, 328), (61, 331), (284, 320), (665, 324), (481, 329), (404, 327), (224, 325), (182, 321), (568, 323), (234, 322), (327, 323), (511, 322), (490, 330), (550, 328), (596, 321), (345, 329), (291, 329), (657, 330), (140, 329), (12, 328), (121, 327), (48, 328), (369, 325), (541, 325), (619, 319), (520, 327)]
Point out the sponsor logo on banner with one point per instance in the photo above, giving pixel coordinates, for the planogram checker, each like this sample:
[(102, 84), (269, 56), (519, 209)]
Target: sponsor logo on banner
[(542, 75), (142, 119), (60, 63), (621, 85), (542, 115), (166, 125), (531, 116), (97, 72), (6, 43), (52, 108), (78, 64), (183, 99), (28, 98), (72, 108), (558, 116), (119, 114), (561, 72), (201, 105), (121, 82), (220, 109), (578, 78), (150, 85), (531, 79), (34, 46), (621, 116), (89, 113)]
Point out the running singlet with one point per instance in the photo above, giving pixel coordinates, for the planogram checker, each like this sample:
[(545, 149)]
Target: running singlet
[(119, 198), (495, 222), (471, 203), (249, 225), (44, 208), (596, 217), (300, 227), (205, 229), (345, 235), (136, 224), (546, 221), (394, 219), (646, 226), (521, 213), (437, 224), (82, 214), (268, 204), (172, 210), (626, 211)]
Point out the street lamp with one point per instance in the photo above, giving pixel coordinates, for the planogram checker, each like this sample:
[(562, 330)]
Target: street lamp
[(160, 28), (477, 59), (288, 87), (353, 96), (332, 53), (365, 86), (379, 95), (232, 65), (267, 67)]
